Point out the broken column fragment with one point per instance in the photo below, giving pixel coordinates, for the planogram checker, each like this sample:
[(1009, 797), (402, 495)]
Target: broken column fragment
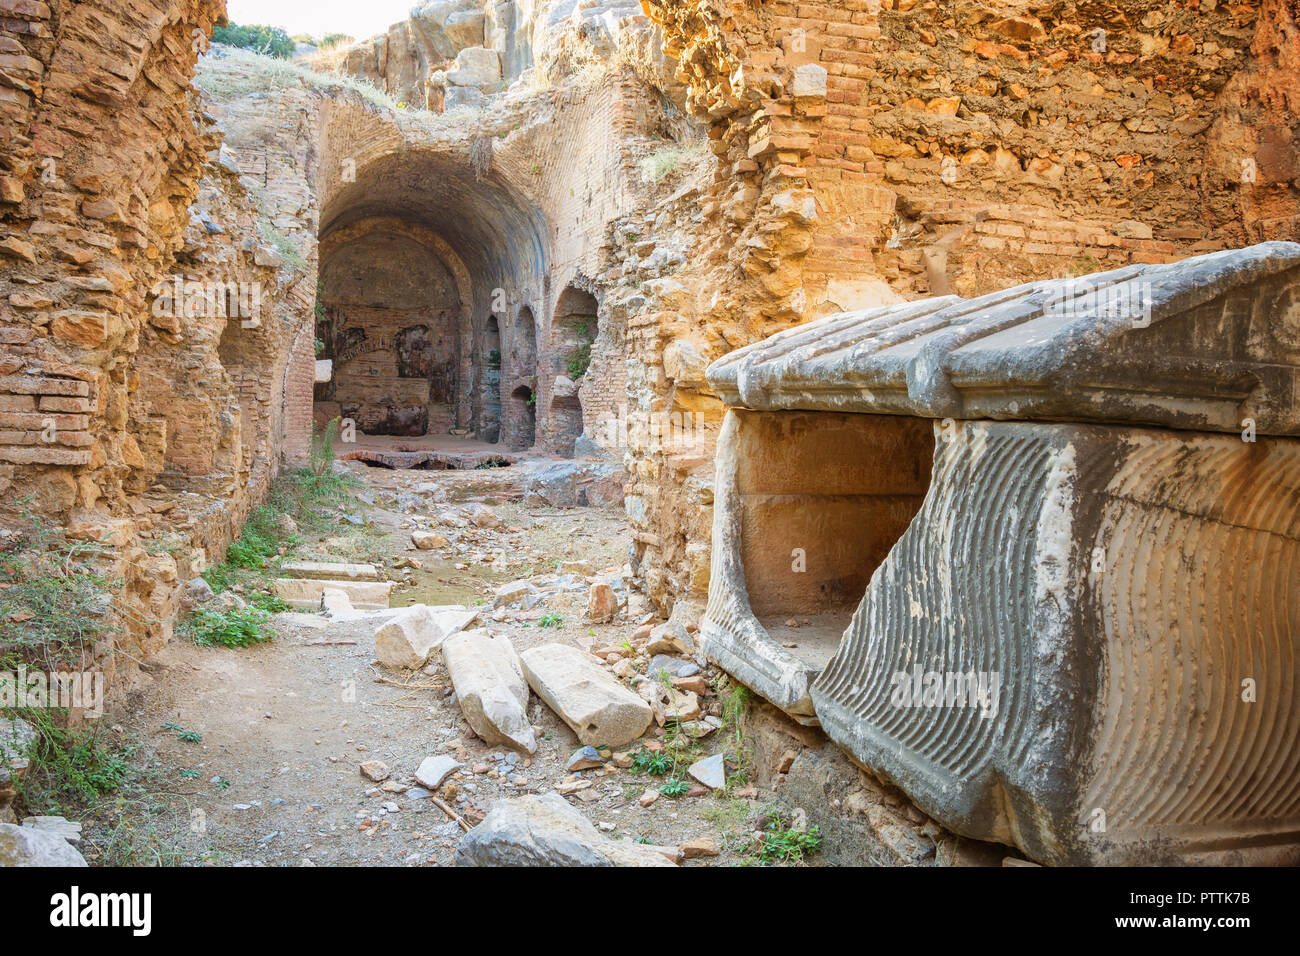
[(598, 708), (405, 641), (490, 686), (1083, 642)]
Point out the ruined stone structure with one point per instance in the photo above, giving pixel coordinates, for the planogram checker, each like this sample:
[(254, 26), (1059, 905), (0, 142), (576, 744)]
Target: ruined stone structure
[(532, 225), (153, 339), (1066, 624)]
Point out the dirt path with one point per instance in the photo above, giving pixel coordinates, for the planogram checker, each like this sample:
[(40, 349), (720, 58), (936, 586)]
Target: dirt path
[(285, 725)]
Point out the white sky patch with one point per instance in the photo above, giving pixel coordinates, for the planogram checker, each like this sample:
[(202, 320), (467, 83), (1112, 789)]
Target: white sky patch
[(319, 17)]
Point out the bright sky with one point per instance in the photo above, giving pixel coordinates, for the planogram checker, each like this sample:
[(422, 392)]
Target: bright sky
[(359, 18)]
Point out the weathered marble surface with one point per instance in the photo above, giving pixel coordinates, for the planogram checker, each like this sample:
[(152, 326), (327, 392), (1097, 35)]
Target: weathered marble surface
[(1201, 344), (1116, 588)]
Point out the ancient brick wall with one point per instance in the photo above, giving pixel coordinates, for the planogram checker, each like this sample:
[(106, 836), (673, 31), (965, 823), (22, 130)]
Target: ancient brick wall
[(875, 149), (149, 302)]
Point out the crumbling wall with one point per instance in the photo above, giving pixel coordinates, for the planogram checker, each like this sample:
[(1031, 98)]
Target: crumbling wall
[(151, 326), (871, 150), (451, 53)]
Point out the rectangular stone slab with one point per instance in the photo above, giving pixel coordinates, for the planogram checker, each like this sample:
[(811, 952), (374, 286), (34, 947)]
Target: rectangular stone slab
[(1126, 600), (329, 571), (490, 687), (306, 592), (597, 707)]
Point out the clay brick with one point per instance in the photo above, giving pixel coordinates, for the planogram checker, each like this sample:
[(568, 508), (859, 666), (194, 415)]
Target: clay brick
[(38, 421), (35, 385), (45, 456), (55, 403)]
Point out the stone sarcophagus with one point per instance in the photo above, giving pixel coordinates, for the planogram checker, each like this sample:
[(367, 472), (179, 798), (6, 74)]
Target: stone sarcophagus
[(1035, 557)]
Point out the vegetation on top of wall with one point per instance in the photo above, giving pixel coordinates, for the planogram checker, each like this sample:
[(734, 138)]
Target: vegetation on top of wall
[(260, 73), (293, 258), (328, 42), (269, 41), (656, 167)]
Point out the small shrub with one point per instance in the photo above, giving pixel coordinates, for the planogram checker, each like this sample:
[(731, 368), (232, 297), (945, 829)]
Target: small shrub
[(675, 789), (654, 762), (322, 448), (657, 166), (289, 252), (579, 361), (238, 628), (550, 620), (780, 843), (68, 765), (52, 597)]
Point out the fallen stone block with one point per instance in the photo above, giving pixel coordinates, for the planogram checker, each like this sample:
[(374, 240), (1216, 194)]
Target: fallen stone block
[(490, 687), (545, 831), (434, 770), (699, 847), (710, 771), (602, 603), (70, 830), (405, 641), (427, 540), (585, 758), (575, 484), (329, 571), (598, 708), (29, 846), (512, 593), (670, 638), (481, 516), (307, 592)]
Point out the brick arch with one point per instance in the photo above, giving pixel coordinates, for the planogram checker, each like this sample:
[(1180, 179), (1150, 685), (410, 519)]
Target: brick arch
[(341, 236)]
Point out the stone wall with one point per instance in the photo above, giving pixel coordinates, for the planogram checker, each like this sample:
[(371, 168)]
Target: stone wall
[(151, 306)]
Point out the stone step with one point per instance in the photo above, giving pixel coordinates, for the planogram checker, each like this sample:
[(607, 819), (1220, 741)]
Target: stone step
[(329, 571), (307, 592)]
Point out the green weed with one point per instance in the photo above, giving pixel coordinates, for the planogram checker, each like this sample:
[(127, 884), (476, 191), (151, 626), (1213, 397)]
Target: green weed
[(235, 628)]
